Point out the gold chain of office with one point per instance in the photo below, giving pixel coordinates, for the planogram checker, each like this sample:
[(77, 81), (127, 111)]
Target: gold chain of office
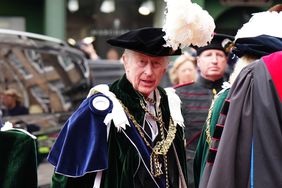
[(161, 147)]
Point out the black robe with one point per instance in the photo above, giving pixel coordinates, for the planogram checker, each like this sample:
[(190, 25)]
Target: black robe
[(250, 150)]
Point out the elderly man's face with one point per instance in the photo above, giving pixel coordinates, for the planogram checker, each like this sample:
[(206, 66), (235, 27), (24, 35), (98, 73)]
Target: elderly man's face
[(144, 72), (212, 64)]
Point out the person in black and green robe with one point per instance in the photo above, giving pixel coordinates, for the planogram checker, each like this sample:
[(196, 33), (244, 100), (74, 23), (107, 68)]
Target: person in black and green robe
[(248, 111), (128, 133), (204, 146)]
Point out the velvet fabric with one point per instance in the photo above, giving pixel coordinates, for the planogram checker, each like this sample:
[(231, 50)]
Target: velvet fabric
[(127, 155), (249, 150), (203, 146), (82, 141), (145, 40), (18, 160), (257, 46), (216, 43)]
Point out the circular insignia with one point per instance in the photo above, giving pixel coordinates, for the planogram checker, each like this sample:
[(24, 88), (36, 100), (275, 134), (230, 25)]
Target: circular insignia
[(101, 103)]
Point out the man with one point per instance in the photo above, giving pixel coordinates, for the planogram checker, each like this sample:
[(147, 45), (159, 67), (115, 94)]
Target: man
[(130, 133), (197, 97)]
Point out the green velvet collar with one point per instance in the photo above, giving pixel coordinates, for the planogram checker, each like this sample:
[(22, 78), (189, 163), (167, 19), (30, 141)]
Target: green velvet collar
[(131, 99)]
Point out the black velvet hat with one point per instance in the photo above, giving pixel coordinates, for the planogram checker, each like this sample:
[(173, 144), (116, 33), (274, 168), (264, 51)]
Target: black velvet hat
[(146, 40), (218, 42)]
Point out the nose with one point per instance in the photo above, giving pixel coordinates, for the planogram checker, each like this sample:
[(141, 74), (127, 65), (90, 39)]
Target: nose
[(148, 69), (214, 58)]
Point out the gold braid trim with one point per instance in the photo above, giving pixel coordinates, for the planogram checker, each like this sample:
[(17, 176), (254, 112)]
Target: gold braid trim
[(161, 148), (207, 130), (208, 120)]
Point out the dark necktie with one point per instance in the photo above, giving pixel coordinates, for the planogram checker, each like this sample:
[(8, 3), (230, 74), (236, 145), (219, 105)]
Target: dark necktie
[(148, 129)]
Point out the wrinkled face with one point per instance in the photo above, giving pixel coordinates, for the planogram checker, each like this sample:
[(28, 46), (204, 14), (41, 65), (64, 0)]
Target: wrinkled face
[(186, 72), (212, 64), (144, 72)]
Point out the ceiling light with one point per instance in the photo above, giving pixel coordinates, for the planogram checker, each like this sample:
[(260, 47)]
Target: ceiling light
[(71, 41), (108, 6), (73, 5), (146, 7)]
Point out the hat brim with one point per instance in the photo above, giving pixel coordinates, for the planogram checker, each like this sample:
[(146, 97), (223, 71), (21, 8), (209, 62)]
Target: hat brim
[(148, 41)]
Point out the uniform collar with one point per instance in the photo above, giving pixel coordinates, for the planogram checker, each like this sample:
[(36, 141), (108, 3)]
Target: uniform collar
[(210, 84)]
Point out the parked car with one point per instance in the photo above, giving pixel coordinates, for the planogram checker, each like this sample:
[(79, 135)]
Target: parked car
[(51, 77)]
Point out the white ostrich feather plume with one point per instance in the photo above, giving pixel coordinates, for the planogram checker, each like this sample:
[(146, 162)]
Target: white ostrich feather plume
[(262, 23), (187, 23)]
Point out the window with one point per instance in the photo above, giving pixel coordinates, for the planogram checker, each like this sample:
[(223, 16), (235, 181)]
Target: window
[(19, 66), (36, 60)]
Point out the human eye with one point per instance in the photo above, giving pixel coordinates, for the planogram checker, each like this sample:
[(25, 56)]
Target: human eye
[(141, 62), (208, 54), (221, 55), (156, 64)]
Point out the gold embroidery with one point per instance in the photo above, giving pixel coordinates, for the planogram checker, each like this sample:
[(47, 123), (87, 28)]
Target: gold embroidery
[(161, 148), (208, 121), (214, 92)]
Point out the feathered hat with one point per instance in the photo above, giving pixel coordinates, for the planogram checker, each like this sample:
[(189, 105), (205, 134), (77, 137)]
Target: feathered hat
[(261, 35), (187, 24)]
